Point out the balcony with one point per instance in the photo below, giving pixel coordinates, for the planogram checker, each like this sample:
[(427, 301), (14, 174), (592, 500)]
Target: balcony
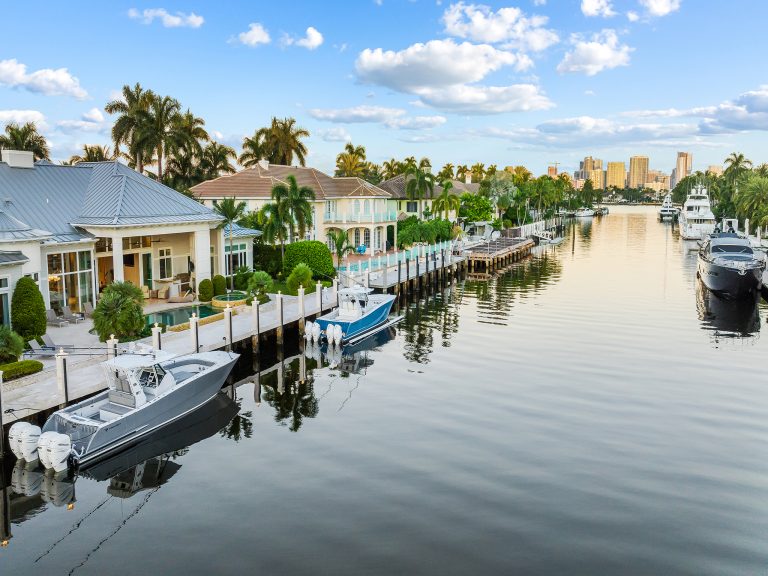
[(360, 217)]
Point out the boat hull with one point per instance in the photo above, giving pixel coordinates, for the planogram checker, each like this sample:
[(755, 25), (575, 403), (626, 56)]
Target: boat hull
[(375, 316), (730, 282)]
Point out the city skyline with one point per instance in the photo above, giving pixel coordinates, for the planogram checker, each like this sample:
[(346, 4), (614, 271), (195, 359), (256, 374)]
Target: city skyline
[(529, 82)]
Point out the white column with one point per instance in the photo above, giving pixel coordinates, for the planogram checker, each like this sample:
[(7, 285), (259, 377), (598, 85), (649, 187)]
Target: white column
[(222, 262), (112, 346), (202, 256), (319, 297), (117, 259), (61, 376)]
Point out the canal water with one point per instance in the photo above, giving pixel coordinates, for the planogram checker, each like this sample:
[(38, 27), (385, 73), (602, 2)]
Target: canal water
[(589, 411)]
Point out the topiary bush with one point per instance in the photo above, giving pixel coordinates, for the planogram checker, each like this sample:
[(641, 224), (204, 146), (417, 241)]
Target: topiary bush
[(11, 345), (314, 254), (267, 257), (219, 285), (300, 276), (205, 290), (28, 309), (21, 368), (120, 311), (242, 274)]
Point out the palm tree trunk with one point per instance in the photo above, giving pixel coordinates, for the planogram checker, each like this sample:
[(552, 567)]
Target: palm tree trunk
[(160, 162), (232, 281)]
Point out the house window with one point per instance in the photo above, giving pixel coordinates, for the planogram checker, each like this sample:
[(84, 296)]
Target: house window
[(213, 260), (367, 207), (411, 206), (237, 258), (166, 263), (367, 238), (70, 279), (357, 236), (5, 316)]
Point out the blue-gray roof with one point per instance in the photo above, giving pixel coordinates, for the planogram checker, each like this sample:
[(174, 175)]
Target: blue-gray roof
[(60, 200), (241, 232), (12, 257), (13, 230)]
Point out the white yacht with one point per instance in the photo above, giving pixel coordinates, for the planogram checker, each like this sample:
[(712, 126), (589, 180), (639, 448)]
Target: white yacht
[(667, 211), (584, 212), (696, 218)]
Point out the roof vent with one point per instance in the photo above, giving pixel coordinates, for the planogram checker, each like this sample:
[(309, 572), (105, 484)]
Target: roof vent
[(19, 158)]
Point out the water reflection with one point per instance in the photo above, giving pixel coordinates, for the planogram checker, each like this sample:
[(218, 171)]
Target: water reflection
[(727, 320)]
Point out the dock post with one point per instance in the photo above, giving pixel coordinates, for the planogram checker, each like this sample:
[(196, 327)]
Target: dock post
[(279, 331), (418, 277), (367, 278), (407, 274), (5, 496), (336, 289), (194, 331), (399, 270), (2, 434), (112, 347), (157, 342), (255, 321), (61, 377), (386, 284), (228, 327), (319, 297), (301, 311)]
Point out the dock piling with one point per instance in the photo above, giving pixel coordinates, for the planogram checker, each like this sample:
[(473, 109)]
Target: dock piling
[(61, 377), (228, 327), (319, 297), (302, 315), (194, 331), (157, 342), (279, 332), (255, 321)]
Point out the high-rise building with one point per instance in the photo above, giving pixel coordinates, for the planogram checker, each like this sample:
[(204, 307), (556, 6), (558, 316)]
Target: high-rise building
[(683, 167), (552, 171), (638, 171), (616, 175), (597, 175), (586, 166), (715, 169)]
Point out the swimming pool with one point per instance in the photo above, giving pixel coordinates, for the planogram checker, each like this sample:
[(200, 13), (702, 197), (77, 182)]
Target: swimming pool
[(180, 315)]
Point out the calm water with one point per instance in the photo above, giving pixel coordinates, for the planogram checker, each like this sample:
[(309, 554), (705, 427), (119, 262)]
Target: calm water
[(588, 412), (180, 315)]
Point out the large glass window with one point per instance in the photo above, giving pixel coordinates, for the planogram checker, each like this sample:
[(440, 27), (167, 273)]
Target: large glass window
[(70, 279), (238, 257), (166, 263), (367, 238), (5, 316)]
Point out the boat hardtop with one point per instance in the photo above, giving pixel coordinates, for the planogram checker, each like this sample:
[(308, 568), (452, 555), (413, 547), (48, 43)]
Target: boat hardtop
[(696, 218), (359, 311)]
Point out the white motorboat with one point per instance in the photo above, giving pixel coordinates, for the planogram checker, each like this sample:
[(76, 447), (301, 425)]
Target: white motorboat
[(584, 213), (548, 237), (729, 267), (668, 211), (696, 219)]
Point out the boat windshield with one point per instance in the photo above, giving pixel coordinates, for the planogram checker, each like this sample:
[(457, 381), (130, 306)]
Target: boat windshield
[(731, 249), (151, 376)]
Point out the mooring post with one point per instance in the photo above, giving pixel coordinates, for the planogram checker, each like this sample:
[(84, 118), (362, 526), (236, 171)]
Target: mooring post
[(255, 325), (157, 343), (112, 347), (367, 278), (301, 311), (319, 297), (279, 304), (2, 433), (5, 533), (407, 274), (418, 272), (194, 331), (61, 377), (228, 327), (336, 289)]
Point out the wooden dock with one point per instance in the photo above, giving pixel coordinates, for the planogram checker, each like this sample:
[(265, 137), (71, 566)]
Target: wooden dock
[(492, 255)]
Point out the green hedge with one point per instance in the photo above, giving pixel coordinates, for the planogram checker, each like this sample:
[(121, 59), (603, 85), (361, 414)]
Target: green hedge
[(205, 290), (267, 257), (27, 310), (430, 231), (314, 254), (21, 368), (219, 285), (300, 276)]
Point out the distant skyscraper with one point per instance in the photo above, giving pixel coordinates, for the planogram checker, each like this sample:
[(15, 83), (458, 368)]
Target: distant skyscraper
[(715, 169), (552, 171), (598, 178), (586, 166), (638, 171), (616, 175), (683, 167)]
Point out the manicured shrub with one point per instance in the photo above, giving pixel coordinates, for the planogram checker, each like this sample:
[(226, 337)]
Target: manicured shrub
[(205, 290), (242, 274), (21, 368), (119, 312), (300, 276), (314, 254), (219, 285), (27, 309), (429, 231), (259, 284), (267, 257), (11, 345)]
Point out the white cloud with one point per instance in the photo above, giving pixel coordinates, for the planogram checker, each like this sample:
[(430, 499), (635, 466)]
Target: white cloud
[(22, 117), (589, 92), (335, 134), (660, 7), (539, 2), (311, 40), (416, 122), (633, 16), (597, 8), (601, 52), (480, 23), (46, 81), (255, 35), (93, 115), (357, 114), (91, 121), (168, 20), (468, 99)]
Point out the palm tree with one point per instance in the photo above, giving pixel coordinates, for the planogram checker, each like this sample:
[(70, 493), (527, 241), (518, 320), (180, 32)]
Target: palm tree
[(492, 169), (446, 173), (447, 201), (762, 170), (95, 153), (183, 171), (461, 172), (752, 200), (521, 174), (274, 225), (409, 162), (25, 137), (189, 133), (735, 165), (215, 160), (351, 162), (158, 128), (295, 202), (283, 141), (341, 244), (232, 211), (419, 184), (391, 168), (254, 149), (425, 164), (124, 131), (478, 172)]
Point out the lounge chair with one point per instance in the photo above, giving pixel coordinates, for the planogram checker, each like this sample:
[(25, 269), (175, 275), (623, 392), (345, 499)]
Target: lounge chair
[(49, 343), (53, 319), (68, 316), (88, 309), (38, 350), (162, 293), (187, 297)]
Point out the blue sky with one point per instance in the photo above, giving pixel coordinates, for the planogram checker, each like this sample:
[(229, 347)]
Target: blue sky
[(528, 82)]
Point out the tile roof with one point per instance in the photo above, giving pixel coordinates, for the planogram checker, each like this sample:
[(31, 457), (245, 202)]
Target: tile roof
[(257, 182), (396, 187)]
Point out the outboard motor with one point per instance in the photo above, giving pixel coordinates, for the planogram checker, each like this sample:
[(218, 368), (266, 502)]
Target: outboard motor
[(42, 447), (308, 327), (15, 438), (58, 450), (316, 332), (27, 442), (329, 333), (337, 334)]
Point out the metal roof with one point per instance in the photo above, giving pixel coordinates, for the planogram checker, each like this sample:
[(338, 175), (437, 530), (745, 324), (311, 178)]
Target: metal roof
[(241, 232), (14, 230), (8, 257)]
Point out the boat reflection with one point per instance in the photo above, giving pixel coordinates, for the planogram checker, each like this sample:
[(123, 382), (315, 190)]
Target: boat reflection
[(727, 319), (352, 358)]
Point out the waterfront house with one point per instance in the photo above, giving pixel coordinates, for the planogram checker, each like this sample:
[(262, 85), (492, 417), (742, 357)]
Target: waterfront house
[(364, 210), (75, 229), (405, 206)]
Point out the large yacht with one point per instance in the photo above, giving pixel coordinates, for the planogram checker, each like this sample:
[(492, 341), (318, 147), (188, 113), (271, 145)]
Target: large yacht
[(696, 218), (667, 211), (729, 267)]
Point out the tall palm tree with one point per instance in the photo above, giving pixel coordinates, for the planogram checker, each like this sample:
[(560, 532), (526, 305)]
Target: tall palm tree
[(736, 165), (283, 141), (274, 225), (425, 164), (158, 128), (215, 160), (232, 211), (351, 162), (391, 168), (478, 172), (296, 205), (183, 171), (761, 170), (447, 201), (409, 162), (521, 174), (94, 153), (446, 172), (254, 149), (341, 244), (129, 107), (461, 172), (25, 137), (752, 200), (189, 133), (419, 184)]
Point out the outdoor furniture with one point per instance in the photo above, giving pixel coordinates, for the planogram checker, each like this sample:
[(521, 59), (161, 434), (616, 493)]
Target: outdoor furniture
[(52, 319), (49, 343), (145, 291), (188, 297), (88, 309), (38, 350), (69, 316), (162, 294), (361, 249)]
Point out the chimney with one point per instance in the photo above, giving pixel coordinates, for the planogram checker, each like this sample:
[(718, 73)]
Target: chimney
[(19, 158), (264, 164)]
